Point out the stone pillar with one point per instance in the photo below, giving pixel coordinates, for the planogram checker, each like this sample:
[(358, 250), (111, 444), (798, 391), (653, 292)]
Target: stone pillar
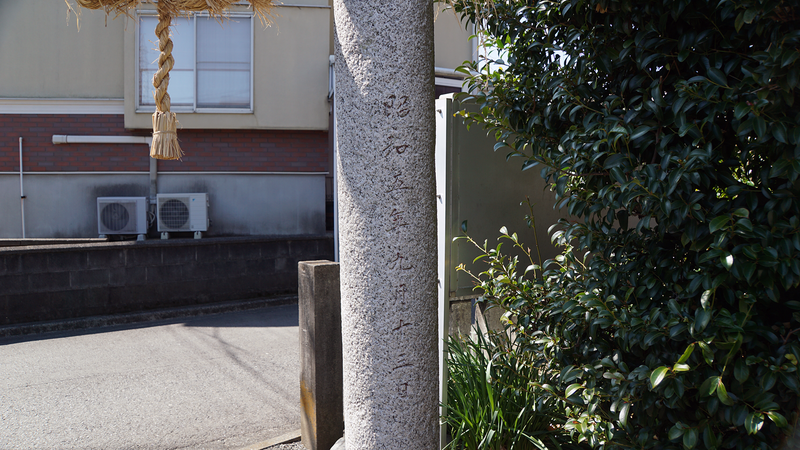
[(386, 186), (321, 421)]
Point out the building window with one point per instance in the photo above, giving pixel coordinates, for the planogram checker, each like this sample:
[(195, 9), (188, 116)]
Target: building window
[(213, 69)]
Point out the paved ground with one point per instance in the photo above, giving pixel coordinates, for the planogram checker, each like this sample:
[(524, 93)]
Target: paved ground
[(292, 446), (221, 381)]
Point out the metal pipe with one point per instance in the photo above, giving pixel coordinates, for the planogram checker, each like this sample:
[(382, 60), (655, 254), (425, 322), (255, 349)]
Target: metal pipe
[(88, 139), (332, 97), (451, 73), (153, 178), (21, 190), (72, 139), (152, 207)]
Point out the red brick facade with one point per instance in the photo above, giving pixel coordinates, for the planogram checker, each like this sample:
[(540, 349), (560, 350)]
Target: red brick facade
[(205, 150)]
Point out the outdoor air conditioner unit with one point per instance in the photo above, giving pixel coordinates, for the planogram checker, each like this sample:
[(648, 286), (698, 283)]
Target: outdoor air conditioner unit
[(122, 215), (182, 212)]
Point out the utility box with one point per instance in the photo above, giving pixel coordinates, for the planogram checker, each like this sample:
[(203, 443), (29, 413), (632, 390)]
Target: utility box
[(477, 185), (121, 215), (182, 212)]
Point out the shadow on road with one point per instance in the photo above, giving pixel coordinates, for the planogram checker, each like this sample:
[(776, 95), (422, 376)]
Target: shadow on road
[(263, 317)]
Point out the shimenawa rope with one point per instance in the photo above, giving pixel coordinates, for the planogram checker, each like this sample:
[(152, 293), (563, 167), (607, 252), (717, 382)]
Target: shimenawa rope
[(165, 138), (165, 124)]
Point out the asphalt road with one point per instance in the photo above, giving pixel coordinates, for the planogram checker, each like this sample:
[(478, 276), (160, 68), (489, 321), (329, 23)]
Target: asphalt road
[(221, 381)]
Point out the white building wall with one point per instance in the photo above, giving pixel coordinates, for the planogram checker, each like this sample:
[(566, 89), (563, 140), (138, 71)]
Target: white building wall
[(64, 205)]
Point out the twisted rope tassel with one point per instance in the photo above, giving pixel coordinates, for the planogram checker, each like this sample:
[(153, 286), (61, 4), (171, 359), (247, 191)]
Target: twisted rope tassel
[(165, 123)]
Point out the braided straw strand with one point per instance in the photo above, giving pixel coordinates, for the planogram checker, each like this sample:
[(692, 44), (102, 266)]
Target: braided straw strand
[(165, 61), (165, 138), (216, 8)]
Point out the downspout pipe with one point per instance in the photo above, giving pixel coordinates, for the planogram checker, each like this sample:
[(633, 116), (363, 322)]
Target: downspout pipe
[(21, 190), (332, 98), (153, 180)]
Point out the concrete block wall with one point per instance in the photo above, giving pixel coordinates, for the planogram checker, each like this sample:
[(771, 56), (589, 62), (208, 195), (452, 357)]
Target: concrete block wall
[(69, 281), (206, 150)]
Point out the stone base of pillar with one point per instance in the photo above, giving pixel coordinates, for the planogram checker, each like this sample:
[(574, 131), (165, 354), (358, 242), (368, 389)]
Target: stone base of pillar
[(322, 412)]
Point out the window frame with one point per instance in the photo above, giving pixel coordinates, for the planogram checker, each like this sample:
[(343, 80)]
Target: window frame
[(139, 108)]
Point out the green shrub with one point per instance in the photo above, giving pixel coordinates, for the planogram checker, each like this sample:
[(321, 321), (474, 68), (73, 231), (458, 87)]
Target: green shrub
[(670, 129)]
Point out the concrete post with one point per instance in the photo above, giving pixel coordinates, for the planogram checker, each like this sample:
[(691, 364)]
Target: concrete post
[(321, 421), (385, 133)]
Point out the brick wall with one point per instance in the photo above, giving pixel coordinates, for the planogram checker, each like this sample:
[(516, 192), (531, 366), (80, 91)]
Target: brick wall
[(71, 281), (206, 150), (251, 150)]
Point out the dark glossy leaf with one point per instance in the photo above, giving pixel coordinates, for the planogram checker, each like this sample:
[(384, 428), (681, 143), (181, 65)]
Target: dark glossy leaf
[(708, 387), (769, 380), (686, 354), (710, 439), (789, 57), (741, 110), (675, 432), (701, 319), (778, 419), (718, 223), (726, 260), (722, 394), (779, 132), (741, 212), (753, 422), (614, 161), (572, 388), (641, 131), (740, 371), (705, 299), (790, 380), (623, 413), (760, 126), (750, 14), (716, 76), (739, 22), (690, 438), (681, 368), (658, 375)]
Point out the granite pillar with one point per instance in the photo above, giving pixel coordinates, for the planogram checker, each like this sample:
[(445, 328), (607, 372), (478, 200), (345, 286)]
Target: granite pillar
[(386, 189)]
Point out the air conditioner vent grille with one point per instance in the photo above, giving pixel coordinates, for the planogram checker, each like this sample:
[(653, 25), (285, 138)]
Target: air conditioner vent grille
[(174, 213), (115, 216), (182, 212), (121, 215)]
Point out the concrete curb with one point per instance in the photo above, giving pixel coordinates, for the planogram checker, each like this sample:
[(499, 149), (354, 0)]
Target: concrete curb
[(145, 316), (292, 436)]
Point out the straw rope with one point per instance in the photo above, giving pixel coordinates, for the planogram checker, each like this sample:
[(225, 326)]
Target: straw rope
[(216, 8), (165, 123), (165, 61)]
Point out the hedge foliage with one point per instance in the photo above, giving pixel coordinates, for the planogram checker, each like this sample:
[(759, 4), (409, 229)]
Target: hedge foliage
[(670, 129)]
